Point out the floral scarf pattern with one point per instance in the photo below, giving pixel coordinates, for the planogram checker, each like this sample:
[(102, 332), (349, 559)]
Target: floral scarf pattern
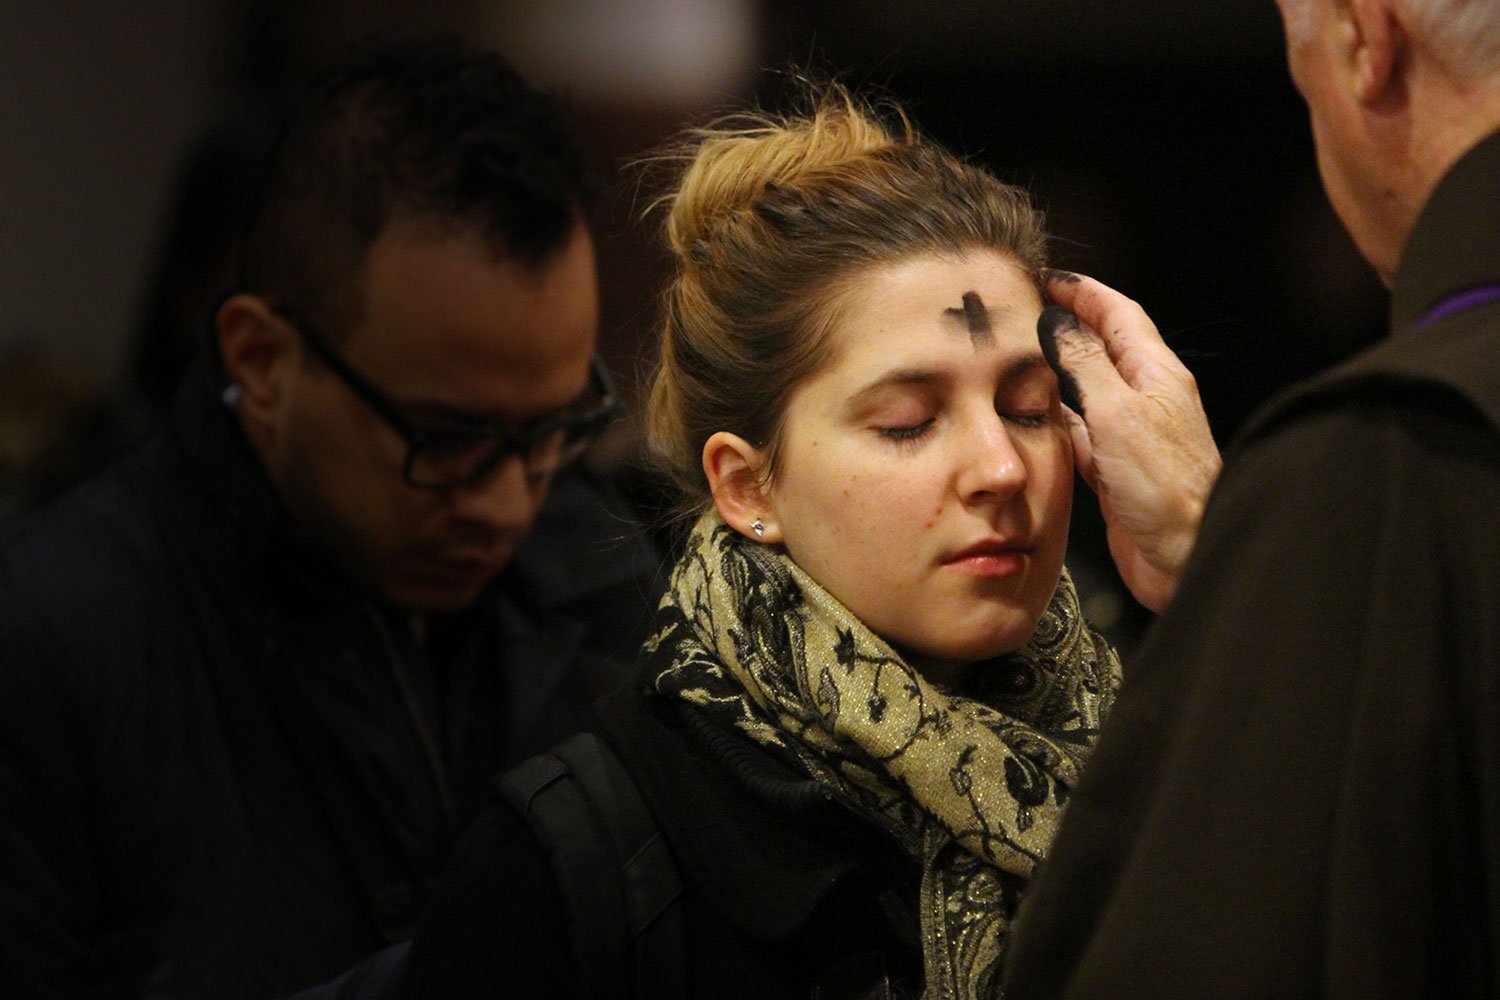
[(972, 785)]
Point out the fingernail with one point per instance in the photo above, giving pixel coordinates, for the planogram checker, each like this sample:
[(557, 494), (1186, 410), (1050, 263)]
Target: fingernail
[(1052, 321), (1066, 277)]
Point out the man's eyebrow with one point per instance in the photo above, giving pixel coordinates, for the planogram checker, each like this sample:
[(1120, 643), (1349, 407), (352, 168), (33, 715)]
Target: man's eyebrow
[(437, 416), (446, 416)]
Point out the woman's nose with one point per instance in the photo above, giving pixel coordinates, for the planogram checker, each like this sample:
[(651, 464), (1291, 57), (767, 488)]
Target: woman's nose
[(993, 468)]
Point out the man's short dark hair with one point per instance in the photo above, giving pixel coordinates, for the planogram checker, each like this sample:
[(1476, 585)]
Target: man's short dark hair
[(426, 130)]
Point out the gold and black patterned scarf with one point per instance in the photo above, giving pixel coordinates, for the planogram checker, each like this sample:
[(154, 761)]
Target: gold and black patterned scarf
[(972, 785)]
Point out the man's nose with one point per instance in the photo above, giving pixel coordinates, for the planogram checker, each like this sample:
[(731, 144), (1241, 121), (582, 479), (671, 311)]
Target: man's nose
[(505, 498), (993, 468)]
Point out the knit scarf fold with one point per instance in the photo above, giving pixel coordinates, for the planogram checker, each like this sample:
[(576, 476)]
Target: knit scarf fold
[(972, 785)]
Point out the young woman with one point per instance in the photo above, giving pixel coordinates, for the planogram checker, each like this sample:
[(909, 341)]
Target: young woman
[(870, 686)]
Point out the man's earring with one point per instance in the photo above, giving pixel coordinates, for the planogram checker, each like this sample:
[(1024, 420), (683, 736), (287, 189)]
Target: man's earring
[(759, 527)]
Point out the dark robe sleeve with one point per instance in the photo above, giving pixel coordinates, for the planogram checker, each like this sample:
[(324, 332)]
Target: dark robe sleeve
[(1297, 792)]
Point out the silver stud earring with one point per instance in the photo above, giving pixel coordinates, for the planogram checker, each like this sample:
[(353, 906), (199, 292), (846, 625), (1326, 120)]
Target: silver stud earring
[(759, 527)]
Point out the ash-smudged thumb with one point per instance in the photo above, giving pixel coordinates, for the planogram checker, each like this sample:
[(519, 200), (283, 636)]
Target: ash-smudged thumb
[(1055, 320)]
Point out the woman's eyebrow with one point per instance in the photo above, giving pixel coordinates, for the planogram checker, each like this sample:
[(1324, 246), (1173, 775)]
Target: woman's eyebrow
[(1023, 364), (896, 378), (1016, 366)]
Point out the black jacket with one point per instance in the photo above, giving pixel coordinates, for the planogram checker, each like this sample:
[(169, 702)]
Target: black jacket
[(787, 894), (1298, 793), (211, 783)]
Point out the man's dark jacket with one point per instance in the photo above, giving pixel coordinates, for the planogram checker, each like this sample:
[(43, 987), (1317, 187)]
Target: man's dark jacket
[(225, 774), (1298, 793)]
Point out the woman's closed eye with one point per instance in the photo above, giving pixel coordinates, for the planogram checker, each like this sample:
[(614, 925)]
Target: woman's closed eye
[(905, 432), (1029, 401), (1027, 419)]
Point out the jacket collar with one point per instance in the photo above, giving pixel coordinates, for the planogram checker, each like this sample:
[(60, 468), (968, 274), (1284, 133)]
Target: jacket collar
[(1453, 248), (1455, 244), (254, 528)]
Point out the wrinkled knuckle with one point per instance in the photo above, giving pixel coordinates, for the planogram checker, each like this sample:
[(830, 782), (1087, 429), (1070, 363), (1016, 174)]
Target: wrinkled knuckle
[(1133, 313), (1177, 374), (1082, 347)]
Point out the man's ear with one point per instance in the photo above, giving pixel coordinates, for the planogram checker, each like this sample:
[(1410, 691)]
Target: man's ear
[(735, 468), (1375, 46), (260, 351)]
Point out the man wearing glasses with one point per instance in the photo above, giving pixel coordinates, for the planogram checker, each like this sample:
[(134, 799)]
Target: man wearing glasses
[(254, 681)]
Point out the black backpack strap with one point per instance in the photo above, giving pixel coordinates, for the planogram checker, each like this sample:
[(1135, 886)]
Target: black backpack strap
[(620, 886)]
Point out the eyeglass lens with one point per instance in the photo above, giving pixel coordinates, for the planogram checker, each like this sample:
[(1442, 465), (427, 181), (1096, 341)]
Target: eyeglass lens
[(457, 459)]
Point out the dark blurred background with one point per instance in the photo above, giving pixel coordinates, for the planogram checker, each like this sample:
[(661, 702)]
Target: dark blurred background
[(1163, 138)]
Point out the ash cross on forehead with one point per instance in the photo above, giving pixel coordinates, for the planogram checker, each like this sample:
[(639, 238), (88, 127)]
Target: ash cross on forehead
[(977, 317)]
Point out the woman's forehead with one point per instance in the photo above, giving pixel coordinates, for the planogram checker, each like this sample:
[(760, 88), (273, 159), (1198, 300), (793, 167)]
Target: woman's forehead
[(982, 301), (956, 285)]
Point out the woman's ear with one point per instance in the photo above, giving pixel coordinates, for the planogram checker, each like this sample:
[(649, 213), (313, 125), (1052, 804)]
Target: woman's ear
[(735, 471), (260, 352)]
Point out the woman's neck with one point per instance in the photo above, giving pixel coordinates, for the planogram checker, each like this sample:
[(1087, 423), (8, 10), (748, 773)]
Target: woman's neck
[(952, 675)]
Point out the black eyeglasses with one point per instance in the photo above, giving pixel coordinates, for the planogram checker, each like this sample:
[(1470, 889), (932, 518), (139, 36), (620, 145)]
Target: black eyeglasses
[(452, 457)]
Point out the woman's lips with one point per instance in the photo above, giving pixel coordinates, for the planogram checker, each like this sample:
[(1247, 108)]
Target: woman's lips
[(990, 558)]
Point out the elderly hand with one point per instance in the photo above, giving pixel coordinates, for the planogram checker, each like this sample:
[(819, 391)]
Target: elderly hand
[(1140, 437)]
